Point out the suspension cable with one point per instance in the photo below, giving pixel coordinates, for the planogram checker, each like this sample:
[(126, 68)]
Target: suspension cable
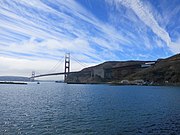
[(84, 65), (57, 64)]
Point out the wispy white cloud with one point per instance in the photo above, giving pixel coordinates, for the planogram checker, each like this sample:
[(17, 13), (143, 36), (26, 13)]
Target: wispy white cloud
[(57, 37), (40, 25), (145, 14), (46, 29)]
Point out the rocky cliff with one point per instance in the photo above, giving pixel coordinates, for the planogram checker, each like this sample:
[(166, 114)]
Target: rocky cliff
[(160, 71)]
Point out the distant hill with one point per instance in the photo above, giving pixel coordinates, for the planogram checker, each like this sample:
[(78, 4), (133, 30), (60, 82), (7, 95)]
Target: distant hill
[(14, 78), (159, 72)]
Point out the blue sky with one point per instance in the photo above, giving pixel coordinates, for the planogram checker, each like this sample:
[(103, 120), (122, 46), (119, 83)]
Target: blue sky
[(35, 34)]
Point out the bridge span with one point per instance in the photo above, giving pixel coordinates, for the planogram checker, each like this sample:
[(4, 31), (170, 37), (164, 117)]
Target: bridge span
[(52, 74)]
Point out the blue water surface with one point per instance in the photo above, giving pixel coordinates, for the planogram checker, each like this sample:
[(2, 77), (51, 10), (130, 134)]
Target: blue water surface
[(76, 109)]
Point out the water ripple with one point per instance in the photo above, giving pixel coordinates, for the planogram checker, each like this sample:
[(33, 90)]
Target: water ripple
[(53, 109)]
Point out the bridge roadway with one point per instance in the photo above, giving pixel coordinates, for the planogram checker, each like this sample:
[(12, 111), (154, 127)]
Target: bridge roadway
[(51, 74)]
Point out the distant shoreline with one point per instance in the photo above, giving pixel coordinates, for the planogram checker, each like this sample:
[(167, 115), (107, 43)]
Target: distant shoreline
[(22, 83)]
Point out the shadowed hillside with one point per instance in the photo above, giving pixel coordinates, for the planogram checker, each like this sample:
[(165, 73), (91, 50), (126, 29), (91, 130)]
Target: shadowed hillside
[(165, 70), (156, 72)]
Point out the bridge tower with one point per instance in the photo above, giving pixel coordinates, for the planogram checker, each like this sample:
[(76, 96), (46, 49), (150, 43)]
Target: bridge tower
[(67, 66), (33, 75)]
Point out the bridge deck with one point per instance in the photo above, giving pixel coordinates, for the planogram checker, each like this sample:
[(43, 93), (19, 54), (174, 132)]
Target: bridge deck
[(51, 74)]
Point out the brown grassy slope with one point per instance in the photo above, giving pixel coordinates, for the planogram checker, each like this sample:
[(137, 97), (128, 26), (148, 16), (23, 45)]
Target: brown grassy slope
[(164, 70)]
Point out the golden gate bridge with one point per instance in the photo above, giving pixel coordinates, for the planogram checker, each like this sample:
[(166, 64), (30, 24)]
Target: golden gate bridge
[(65, 73)]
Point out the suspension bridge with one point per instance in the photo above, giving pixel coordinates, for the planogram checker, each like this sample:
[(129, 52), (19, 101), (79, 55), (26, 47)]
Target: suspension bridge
[(65, 73)]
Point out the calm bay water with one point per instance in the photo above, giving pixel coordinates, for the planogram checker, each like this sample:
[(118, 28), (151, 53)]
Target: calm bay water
[(62, 109)]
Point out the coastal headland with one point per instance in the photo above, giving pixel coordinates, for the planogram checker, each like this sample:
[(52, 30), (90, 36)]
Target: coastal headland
[(159, 72)]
